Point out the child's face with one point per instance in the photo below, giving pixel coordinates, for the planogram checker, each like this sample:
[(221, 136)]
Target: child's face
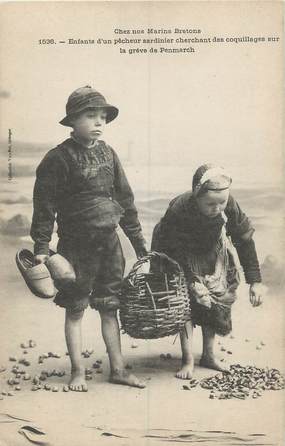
[(90, 124), (212, 203)]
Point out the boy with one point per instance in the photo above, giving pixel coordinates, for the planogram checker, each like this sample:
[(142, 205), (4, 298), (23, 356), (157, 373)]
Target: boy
[(83, 184)]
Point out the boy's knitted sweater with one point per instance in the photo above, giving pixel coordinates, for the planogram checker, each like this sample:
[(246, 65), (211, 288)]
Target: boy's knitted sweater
[(86, 191), (184, 229)]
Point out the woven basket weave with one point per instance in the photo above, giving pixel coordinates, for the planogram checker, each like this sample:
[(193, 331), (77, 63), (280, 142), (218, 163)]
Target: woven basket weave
[(154, 305)]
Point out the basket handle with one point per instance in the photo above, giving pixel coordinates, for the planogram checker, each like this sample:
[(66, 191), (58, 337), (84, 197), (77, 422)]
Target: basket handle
[(147, 258)]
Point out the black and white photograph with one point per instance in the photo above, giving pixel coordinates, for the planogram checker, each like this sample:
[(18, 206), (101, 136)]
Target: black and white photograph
[(142, 223)]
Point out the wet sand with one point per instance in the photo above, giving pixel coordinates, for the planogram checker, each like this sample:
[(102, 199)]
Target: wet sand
[(113, 414)]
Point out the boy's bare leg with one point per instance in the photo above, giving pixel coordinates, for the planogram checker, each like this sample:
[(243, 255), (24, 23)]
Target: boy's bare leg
[(74, 347), (208, 357), (111, 335), (186, 341)]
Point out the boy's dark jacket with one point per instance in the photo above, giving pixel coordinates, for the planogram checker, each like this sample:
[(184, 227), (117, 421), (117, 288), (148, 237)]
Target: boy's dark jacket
[(184, 229), (87, 191)]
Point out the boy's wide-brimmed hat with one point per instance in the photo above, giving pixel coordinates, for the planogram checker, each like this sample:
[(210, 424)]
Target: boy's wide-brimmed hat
[(84, 98)]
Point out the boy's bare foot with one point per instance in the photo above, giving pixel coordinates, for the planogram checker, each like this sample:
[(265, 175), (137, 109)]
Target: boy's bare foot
[(186, 371), (210, 362), (124, 377), (77, 382)]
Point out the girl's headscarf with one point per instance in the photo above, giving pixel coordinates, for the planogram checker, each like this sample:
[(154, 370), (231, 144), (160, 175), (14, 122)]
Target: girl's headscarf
[(210, 177)]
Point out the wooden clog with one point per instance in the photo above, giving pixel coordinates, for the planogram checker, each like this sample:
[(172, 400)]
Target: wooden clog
[(61, 270), (37, 277)]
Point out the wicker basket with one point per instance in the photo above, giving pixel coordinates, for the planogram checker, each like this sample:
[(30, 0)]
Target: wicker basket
[(154, 305)]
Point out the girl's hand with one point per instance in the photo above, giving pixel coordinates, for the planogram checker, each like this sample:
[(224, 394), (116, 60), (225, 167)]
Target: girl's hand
[(201, 294), (205, 300), (41, 258), (199, 289), (256, 291)]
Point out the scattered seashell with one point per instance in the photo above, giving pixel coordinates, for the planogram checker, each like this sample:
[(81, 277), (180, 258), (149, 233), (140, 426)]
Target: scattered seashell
[(65, 389), (168, 356), (88, 377), (223, 349), (185, 387), (134, 345), (99, 361), (40, 360), (47, 387), (4, 392), (96, 365), (18, 388), (35, 387), (43, 377), (16, 381), (88, 372), (66, 353), (258, 347), (13, 358), (99, 371), (25, 352), (262, 343), (36, 380), (10, 394), (56, 355), (54, 389), (26, 377), (50, 354), (32, 343), (24, 345), (11, 381), (229, 352)]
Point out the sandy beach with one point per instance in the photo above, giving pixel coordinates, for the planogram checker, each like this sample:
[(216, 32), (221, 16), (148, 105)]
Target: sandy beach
[(112, 414)]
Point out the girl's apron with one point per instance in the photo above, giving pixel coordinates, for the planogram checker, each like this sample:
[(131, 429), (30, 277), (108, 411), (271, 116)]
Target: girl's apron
[(218, 272)]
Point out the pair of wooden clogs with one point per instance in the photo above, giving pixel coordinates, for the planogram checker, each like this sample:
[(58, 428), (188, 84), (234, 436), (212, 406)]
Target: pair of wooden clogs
[(41, 278)]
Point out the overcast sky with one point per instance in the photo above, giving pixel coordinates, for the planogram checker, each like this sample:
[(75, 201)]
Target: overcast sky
[(222, 103)]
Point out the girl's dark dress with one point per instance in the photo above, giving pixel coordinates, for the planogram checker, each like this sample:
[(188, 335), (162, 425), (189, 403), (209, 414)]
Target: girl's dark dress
[(204, 248)]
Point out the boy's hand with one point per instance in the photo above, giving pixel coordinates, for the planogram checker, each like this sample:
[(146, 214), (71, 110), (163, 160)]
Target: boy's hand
[(256, 292), (41, 258), (141, 252)]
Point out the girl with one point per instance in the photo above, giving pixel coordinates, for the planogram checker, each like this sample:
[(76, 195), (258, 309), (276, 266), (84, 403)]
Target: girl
[(195, 231)]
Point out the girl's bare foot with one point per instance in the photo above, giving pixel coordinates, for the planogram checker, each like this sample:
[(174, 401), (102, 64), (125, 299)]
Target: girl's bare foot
[(186, 371), (119, 376), (210, 362), (77, 382)]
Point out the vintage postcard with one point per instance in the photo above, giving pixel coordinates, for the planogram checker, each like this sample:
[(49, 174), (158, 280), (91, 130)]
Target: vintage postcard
[(129, 129)]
